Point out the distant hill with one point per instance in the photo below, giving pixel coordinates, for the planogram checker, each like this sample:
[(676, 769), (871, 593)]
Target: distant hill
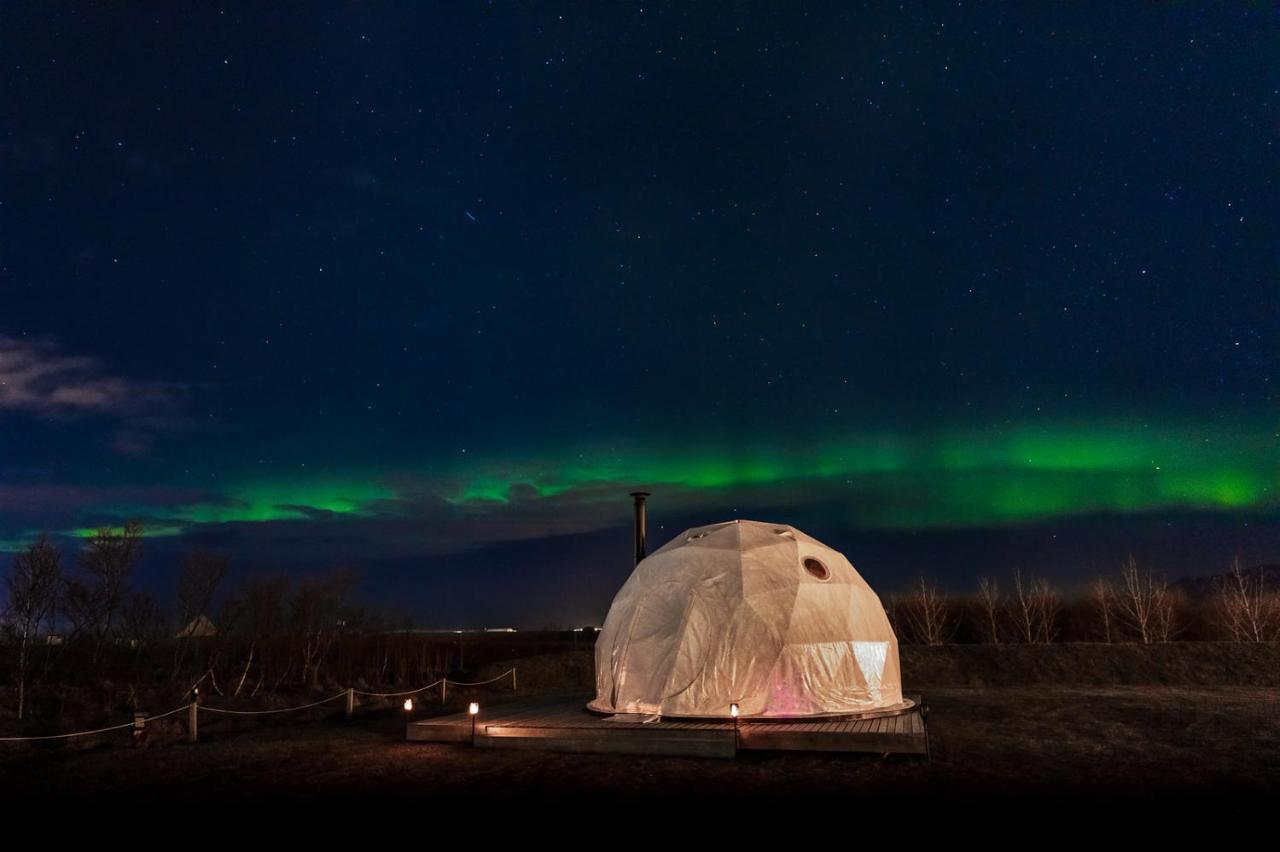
[(1203, 587)]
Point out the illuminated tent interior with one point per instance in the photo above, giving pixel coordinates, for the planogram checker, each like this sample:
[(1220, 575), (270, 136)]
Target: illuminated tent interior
[(748, 613)]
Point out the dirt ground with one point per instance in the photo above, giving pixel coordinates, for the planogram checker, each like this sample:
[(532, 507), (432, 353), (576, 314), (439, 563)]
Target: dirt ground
[(1034, 748)]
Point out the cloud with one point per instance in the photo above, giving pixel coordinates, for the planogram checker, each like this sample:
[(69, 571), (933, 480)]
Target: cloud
[(131, 442), (37, 377), (51, 505)]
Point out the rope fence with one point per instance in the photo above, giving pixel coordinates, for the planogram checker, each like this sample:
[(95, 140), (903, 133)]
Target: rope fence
[(194, 708), (399, 694), (133, 724), (278, 710), (511, 672)]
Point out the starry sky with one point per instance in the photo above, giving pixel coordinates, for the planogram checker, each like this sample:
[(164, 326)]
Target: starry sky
[(426, 289)]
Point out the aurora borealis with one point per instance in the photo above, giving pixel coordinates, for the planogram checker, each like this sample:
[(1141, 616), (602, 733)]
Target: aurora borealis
[(428, 290), (958, 479)]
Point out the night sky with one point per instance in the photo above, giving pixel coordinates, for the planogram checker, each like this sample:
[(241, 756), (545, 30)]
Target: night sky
[(426, 289)]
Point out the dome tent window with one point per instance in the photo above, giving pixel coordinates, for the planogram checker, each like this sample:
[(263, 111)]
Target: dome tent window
[(816, 569)]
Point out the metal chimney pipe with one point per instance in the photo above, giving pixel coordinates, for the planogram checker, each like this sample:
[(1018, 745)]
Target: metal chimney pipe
[(641, 525)]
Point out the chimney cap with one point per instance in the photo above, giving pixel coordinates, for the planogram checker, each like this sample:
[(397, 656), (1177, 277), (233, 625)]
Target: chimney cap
[(640, 493)]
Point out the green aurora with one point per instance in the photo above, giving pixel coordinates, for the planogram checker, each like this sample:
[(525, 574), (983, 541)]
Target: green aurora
[(964, 478), (932, 480)]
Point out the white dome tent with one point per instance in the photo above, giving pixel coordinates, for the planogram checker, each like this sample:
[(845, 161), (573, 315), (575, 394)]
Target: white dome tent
[(748, 613)]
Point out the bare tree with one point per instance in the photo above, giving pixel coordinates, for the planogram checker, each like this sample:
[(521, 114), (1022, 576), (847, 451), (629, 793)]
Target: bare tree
[(1137, 600), (1166, 607), (143, 622), (1036, 606), (32, 584), (1025, 614), (893, 611), (94, 599), (927, 614), (1047, 605), (198, 580), (992, 606), (1245, 610), (316, 611), (1102, 596), (255, 618)]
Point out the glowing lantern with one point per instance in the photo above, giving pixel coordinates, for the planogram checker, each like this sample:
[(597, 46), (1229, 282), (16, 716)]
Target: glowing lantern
[(733, 710), (408, 705), (474, 708)]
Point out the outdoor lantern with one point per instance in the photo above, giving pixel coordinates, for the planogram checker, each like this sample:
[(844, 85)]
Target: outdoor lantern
[(733, 710), (474, 709), (408, 704)]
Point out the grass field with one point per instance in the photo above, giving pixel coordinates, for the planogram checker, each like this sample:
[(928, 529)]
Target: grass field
[(1025, 747)]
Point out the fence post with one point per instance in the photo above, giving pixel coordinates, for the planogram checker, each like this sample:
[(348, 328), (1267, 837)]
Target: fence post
[(193, 713), (513, 678), (444, 691), (351, 701)]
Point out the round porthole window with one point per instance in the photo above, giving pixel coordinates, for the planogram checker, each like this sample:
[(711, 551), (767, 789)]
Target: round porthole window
[(816, 568)]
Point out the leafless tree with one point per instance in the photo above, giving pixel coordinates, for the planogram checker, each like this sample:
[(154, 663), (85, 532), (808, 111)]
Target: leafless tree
[(1166, 612), (255, 617), (1036, 606), (1245, 610), (1047, 606), (992, 606), (927, 614), (1102, 597), (1144, 604), (316, 610), (1025, 616), (198, 580), (1135, 600), (893, 611), (143, 622), (32, 584), (94, 599)]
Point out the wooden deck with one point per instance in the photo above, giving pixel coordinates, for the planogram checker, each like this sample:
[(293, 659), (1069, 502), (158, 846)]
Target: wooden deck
[(564, 724)]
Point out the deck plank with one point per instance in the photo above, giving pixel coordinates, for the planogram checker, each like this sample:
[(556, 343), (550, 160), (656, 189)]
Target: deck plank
[(565, 725)]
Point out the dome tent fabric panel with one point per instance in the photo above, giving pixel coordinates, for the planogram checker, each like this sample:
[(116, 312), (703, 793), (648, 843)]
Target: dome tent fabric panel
[(733, 613)]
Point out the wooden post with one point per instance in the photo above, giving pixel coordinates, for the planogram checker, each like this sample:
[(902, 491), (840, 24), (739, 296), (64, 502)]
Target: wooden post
[(513, 679), (193, 714), (444, 691), (351, 701)]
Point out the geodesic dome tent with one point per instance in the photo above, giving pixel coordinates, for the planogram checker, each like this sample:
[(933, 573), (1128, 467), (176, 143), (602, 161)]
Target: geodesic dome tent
[(748, 613)]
